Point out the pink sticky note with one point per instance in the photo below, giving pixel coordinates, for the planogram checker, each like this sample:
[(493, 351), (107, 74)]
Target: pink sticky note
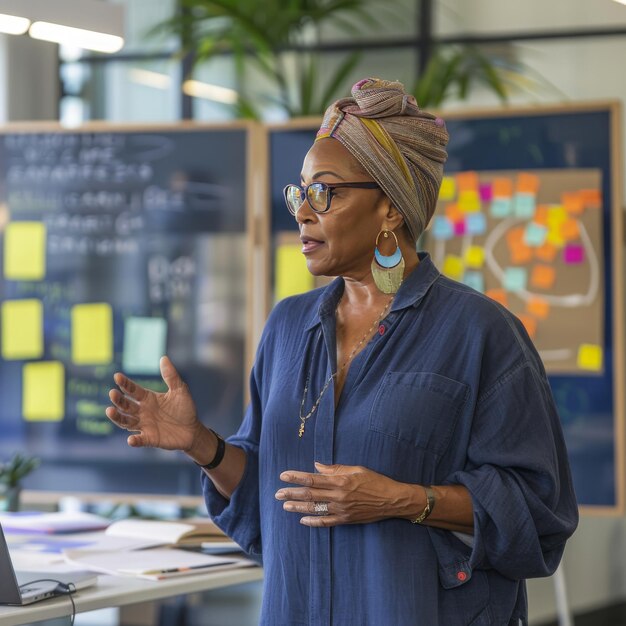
[(459, 228), (486, 192), (573, 254)]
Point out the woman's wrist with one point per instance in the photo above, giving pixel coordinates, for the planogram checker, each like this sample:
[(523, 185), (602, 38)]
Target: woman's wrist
[(409, 500), (204, 446)]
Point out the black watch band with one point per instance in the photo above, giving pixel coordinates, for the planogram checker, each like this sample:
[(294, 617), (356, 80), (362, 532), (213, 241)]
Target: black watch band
[(219, 453)]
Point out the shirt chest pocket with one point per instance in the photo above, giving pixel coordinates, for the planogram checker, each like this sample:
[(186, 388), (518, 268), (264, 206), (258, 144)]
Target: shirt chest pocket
[(420, 408)]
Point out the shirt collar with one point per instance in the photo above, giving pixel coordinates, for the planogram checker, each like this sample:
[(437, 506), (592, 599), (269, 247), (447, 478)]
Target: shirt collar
[(410, 294)]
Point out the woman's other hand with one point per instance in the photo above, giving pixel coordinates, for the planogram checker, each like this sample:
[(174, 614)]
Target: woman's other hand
[(158, 420), (355, 495)]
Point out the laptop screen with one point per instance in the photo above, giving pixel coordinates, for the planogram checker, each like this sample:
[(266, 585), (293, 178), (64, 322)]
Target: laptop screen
[(9, 590)]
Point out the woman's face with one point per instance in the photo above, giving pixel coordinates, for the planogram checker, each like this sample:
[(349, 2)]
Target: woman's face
[(341, 241)]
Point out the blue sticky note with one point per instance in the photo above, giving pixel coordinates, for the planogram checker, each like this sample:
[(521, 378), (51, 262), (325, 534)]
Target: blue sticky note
[(442, 228), (525, 205), (475, 224), (515, 278), (535, 234), (144, 344), (501, 207), (475, 280)]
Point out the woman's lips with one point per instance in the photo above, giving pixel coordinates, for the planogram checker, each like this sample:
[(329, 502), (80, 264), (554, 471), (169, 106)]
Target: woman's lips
[(309, 245)]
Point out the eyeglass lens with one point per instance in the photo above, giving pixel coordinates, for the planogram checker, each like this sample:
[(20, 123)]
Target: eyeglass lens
[(317, 194)]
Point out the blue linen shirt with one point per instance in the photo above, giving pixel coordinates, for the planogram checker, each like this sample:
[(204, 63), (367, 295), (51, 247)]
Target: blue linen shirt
[(450, 390)]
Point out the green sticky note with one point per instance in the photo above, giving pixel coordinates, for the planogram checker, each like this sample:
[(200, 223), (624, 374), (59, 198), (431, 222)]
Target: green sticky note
[(515, 278), (145, 341)]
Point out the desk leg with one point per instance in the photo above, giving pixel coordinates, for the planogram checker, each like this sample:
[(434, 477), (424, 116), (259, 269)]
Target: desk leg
[(560, 592)]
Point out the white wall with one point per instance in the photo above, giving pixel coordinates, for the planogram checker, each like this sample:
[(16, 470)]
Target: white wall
[(28, 79)]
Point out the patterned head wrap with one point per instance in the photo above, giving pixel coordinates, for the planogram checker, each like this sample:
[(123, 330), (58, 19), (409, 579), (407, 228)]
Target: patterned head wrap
[(402, 147)]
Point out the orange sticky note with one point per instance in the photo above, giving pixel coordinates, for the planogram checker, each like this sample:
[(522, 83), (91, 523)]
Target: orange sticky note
[(502, 187), (541, 215), (570, 230), (542, 276), (546, 252), (499, 295), (520, 253), (573, 202), (515, 236), (467, 181), (592, 198), (590, 357), (530, 324), (527, 183), (453, 212), (538, 307)]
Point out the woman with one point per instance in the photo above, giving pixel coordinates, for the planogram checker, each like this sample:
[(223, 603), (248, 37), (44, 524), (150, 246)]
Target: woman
[(394, 395)]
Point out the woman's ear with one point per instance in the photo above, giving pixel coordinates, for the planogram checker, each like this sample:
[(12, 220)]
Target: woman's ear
[(393, 219)]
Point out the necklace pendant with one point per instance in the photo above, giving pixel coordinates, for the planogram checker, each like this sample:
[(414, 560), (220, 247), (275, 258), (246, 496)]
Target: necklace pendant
[(301, 431)]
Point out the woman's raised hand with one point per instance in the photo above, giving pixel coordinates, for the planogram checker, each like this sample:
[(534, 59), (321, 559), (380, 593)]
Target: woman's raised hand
[(158, 420)]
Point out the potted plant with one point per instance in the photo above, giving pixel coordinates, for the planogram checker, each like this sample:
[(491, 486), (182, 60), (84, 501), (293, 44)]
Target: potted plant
[(11, 474)]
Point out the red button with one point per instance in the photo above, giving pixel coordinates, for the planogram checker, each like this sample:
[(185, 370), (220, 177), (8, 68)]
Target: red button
[(462, 576), (381, 329)]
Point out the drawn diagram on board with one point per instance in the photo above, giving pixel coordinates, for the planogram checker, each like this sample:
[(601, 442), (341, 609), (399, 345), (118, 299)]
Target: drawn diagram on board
[(533, 242)]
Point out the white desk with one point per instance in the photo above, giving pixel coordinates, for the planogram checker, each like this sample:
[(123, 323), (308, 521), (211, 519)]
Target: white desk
[(112, 591)]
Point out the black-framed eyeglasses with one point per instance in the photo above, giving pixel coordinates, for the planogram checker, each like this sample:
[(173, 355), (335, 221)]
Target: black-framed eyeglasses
[(318, 194)]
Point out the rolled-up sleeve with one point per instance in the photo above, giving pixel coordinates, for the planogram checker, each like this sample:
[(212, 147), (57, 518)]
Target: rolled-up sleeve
[(518, 477), (239, 516)]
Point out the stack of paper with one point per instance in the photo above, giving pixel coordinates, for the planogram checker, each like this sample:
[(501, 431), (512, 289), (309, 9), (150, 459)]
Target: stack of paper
[(51, 523), (153, 564)]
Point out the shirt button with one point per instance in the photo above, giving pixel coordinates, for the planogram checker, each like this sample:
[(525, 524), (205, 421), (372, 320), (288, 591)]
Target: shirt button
[(462, 576), (381, 329)]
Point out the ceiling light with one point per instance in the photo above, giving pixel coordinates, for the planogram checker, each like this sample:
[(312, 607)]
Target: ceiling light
[(90, 24), (13, 25), (198, 89), (79, 37), (150, 79)]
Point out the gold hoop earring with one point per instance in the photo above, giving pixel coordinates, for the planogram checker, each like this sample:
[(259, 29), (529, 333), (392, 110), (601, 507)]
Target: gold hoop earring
[(388, 271)]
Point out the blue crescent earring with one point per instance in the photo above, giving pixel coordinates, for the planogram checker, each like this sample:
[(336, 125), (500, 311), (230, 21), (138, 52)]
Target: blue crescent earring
[(388, 271)]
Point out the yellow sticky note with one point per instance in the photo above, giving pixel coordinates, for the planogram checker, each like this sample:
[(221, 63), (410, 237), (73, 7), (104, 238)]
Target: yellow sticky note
[(590, 357), (22, 329), (556, 216), (92, 334), (292, 274), (474, 257), (453, 267), (25, 251), (447, 191), (43, 391), (469, 201), (555, 236)]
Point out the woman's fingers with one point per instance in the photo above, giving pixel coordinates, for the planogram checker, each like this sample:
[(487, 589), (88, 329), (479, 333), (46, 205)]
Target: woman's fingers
[(129, 387), (169, 374), (124, 404), (123, 420)]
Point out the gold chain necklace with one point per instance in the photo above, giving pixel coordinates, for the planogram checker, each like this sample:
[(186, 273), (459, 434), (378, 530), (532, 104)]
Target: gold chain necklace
[(304, 418)]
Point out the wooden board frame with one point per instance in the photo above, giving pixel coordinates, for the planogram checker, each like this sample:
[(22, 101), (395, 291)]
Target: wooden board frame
[(256, 263), (618, 237)]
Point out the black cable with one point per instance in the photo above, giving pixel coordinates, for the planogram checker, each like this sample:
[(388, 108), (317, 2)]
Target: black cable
[(66, 589)]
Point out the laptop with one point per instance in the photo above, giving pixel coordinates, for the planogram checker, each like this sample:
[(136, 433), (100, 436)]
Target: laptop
[(19, 588)]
